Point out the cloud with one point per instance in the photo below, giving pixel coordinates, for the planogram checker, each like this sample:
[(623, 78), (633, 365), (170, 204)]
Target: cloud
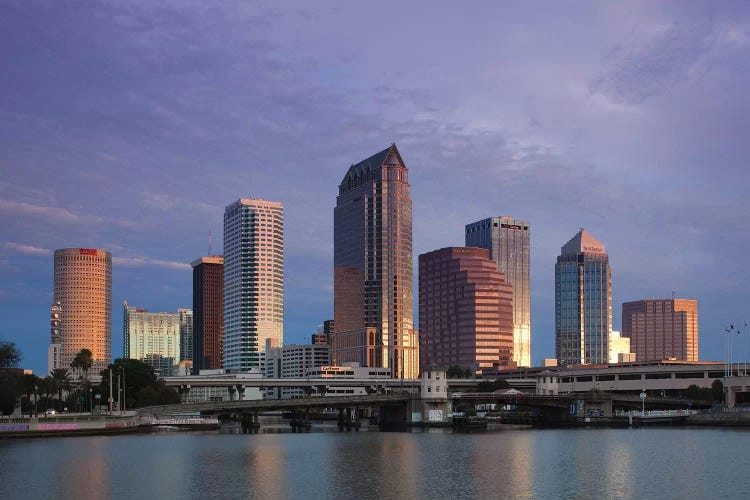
[(647, 68), (164, 201), (25, 249), (57, 214), (147, 262)]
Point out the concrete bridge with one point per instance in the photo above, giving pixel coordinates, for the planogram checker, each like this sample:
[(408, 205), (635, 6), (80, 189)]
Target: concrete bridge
[(263, 405)]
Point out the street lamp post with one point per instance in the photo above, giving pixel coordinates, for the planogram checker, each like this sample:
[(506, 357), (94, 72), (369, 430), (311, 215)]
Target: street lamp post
[(91, 400)]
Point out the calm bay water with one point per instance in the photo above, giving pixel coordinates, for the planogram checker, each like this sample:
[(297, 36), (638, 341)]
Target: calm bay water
[(586, 463)]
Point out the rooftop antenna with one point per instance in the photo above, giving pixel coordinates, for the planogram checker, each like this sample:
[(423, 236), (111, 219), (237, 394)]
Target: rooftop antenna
[(209, 238), (673, 294)]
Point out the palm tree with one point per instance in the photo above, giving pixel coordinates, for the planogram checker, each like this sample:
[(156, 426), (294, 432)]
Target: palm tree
[(47, 387), (83, 361), (61, 379), (30, 383)]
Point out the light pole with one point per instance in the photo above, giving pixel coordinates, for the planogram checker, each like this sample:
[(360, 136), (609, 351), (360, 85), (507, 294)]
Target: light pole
[(91, 400), (643, 402), (124, 401)]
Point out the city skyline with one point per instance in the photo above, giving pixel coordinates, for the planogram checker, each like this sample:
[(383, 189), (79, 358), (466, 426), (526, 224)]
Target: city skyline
[(129, 128)]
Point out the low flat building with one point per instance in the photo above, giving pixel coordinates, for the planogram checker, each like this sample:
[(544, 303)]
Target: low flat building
[(290, 361), (223, 385)]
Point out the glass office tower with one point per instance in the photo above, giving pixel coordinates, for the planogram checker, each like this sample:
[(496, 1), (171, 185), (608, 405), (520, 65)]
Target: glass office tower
[(508, 241), (583, 302), (372, 247)]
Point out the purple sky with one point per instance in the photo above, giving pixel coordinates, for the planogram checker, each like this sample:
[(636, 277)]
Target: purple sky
[(130, 125)]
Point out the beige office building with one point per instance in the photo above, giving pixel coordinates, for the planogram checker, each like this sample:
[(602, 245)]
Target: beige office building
[(83, 290), (253, 281), (661, 329)]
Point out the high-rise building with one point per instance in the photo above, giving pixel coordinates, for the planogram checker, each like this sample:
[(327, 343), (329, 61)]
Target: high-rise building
[(186, 333), (583, 301), (465, 311), (372, 291), (208, 313), (661, 329), (83, 292), (509, 243), (253, 281), (153, 338)]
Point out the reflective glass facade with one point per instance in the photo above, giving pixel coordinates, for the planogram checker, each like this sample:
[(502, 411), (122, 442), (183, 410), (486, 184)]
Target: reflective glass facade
[(509, 243), (186, 334), (583, 302), (373, 267), (253, 281)]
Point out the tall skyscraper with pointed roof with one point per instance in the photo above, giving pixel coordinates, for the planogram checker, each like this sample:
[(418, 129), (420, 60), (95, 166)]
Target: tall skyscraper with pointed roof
[(373, 267), (583, 301)]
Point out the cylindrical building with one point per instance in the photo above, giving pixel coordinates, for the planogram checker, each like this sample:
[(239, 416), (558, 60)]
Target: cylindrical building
[(83, 287)]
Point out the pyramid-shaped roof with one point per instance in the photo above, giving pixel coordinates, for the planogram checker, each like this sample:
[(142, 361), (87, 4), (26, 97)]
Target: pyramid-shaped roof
[(375, 161), (583, 242)]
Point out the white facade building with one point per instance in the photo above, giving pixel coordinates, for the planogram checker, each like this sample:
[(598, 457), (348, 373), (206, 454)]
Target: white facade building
[(293, 360), (153, 338), (253, 281)]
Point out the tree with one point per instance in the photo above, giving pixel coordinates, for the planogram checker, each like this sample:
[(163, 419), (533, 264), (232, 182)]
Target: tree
[(30, 383), (10, 356), (47, 389), (456, 371), (61, 381), (717, 390), (491, 385), (137, 376), (83, 361), (10, 390)]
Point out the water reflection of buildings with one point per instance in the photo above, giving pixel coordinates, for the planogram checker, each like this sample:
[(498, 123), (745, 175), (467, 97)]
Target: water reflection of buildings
[(509, 473), (89, 475), (388, 470), (266, 476)]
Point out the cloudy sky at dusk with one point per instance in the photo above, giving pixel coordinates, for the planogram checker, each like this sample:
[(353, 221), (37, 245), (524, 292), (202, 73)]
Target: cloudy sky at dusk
[(130, 125)]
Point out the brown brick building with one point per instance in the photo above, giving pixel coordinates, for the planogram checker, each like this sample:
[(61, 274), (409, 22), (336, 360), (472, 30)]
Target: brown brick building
[(661, 329), (465, 310), (208, 313)]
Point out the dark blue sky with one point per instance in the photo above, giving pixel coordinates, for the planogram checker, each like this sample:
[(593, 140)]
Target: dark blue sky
[(130, 125)]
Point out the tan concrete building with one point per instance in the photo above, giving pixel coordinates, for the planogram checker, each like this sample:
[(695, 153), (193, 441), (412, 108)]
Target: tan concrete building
[(619, 348), (83, 289), (661, 329)]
